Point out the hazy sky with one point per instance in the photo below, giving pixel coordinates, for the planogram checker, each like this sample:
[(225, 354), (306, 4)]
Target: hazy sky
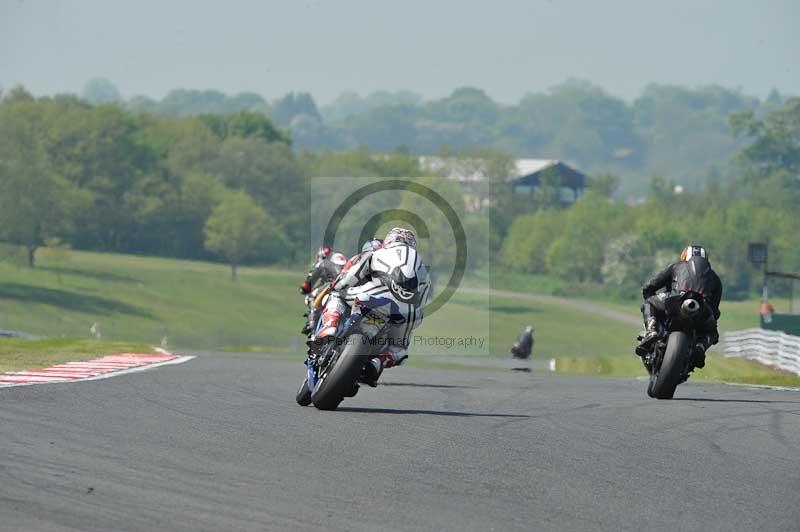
[(505, 47)]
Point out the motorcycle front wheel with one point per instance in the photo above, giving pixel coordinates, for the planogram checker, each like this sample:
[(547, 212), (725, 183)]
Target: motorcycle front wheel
[(303, 396), (340, 376), (672, 365)]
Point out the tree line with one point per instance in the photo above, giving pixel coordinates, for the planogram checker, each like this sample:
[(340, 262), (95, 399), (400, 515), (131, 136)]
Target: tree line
[(104, 178), (667, 130), (207, 186), (235, 186), (618, 244)]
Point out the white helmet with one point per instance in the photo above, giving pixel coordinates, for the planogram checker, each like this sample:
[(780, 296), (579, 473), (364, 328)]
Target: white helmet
[(398, 235), (398, 268)]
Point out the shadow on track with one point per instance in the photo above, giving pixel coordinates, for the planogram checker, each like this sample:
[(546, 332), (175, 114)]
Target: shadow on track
[(419, 385), (428, 412), (710, 400)]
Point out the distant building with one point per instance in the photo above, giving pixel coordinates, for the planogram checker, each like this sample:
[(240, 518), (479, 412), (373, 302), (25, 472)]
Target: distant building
[(529, 174), (533, 172)]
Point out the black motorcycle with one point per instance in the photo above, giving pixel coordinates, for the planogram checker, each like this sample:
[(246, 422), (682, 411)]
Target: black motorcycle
[(336, 371), (669, 361)]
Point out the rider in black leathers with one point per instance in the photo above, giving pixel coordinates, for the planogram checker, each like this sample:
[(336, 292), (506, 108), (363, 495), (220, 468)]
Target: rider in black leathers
[(692, 273)]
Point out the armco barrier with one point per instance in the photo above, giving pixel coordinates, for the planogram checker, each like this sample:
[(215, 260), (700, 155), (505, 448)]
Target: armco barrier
[(771, 348)]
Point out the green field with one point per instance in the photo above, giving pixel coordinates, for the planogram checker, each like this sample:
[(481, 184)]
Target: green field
[(30, 354), (717, 368), (194, 305), (190, 304), (736, 315)]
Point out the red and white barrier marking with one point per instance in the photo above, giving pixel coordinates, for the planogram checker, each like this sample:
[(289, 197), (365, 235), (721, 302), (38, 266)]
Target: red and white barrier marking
[(99, 368)]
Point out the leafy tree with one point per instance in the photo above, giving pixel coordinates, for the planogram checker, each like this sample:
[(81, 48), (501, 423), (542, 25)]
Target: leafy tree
[(183, 102), (578, 253), (362, 162), (235, 228), (248, 124), (687, 131), (216, 123), (661, 188), (272, 176), (35, 201), (350, 104), (292, 105), (243, 124), (386, 127), (98, 91), (529, 239), (467, 105), (775, 145), (142, 104), (440, 249), (604, 184), (189, 145), (98, 150)]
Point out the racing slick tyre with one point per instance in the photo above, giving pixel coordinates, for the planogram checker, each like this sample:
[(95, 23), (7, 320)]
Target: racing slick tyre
[(303, 396), (339, 377), (650, 386), (669, 374)]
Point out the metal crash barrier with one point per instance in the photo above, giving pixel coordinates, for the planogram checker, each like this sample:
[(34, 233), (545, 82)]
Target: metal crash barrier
[(771, 348)]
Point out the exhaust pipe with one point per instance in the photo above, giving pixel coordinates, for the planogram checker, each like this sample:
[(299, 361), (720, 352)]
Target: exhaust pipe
[(690, 307)]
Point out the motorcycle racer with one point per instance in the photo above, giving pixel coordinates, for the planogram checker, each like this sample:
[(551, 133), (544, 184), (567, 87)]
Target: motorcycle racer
[(327, 265), (692, 272), (392, 278)]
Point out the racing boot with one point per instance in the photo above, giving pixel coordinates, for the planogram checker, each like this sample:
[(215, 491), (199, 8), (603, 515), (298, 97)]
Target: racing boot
[(330, 321), (374, 368), (699, 354), (646, 341)]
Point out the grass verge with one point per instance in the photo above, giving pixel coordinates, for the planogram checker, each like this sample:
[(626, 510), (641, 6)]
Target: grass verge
[(18, 354), (717, 368), (192, 304)]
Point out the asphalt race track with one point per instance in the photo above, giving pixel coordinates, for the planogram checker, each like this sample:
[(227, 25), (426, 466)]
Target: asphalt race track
[(218, 444)]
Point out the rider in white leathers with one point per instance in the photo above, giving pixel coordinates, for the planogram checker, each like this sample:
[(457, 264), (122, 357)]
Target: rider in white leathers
[(393, 281)]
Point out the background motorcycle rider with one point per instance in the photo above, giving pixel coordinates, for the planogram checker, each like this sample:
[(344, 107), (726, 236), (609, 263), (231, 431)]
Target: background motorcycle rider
[(327, 265), (363, 282), (692, 273), (524, 345), (373, 244)]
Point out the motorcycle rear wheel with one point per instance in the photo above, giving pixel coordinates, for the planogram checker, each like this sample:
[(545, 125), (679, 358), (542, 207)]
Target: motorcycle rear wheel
[(338, 381), (672, 365)]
